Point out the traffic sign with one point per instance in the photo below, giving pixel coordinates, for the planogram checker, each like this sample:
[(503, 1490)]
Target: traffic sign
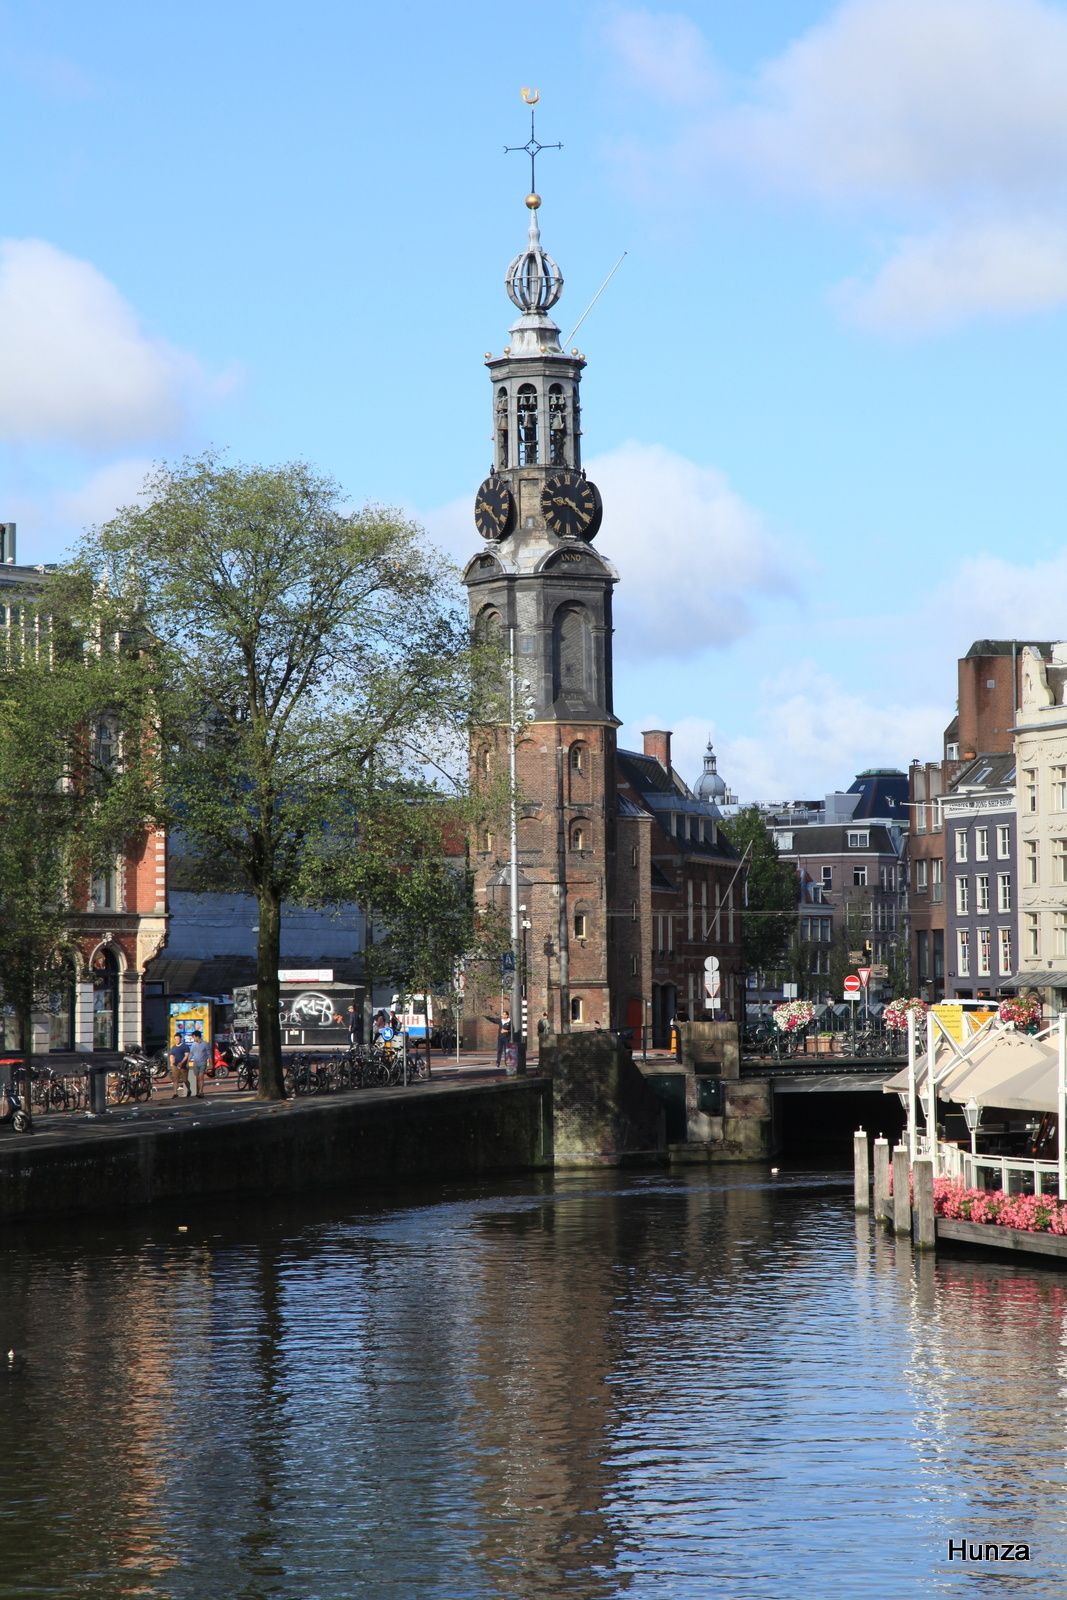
[(852, 986), (507, 963), (864, 975)]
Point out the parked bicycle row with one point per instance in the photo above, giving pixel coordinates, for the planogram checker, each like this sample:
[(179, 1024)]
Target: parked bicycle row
[(867, 1039)]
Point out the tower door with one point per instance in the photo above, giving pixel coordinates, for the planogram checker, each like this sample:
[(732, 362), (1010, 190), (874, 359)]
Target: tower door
[(105, 1001)]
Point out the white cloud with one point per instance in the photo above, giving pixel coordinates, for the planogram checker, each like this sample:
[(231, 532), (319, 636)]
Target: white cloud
[(692, 555), (100, 496), (945, 119), (664, 54), (77, 366), (809, 735), (932, 98), (948, 277)]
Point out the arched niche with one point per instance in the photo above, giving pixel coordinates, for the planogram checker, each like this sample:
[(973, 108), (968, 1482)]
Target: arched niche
[(105, 966), (571, 651)]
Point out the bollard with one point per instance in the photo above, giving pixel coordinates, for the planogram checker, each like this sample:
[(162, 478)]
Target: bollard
[(925, 1234), (901, 1197), (862, 1183), (881, 1179)]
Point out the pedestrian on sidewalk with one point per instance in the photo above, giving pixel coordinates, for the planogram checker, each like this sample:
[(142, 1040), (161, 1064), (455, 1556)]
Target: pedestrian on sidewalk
[(179, 1065), (199, 1056), (503, 1037)]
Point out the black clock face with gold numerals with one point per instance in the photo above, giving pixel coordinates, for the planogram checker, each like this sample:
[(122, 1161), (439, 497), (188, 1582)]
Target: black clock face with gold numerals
[(494, 509), (571, 506)]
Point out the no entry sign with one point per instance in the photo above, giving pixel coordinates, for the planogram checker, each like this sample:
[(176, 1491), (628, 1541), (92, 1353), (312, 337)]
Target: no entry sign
[(852, 986)]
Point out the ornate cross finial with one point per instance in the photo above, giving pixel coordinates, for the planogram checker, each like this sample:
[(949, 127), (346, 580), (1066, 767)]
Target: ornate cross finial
[(533, 146)]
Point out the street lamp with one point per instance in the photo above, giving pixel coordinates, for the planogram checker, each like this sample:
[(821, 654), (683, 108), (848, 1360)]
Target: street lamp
[(517, 1032), (972, 1113)]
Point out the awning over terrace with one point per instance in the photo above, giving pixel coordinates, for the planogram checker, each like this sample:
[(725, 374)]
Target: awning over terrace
[(1000, 1068)]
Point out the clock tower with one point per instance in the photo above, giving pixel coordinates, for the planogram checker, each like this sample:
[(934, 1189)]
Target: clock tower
[(539, 582)]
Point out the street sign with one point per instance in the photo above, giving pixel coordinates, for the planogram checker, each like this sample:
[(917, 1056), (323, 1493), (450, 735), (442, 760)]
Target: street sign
[(507, 963), (712, 981), (864, 975), (879, 970), (852, 986), (855, 955)]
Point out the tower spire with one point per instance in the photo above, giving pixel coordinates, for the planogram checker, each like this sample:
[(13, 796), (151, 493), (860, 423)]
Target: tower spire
[(532, 147)]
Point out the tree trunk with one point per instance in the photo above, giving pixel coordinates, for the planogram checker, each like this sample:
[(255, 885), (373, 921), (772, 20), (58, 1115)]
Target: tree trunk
[(268, 1019)]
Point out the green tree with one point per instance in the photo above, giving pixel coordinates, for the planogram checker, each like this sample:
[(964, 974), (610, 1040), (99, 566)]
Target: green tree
[(310, 658), (769, 919), (77, 774)]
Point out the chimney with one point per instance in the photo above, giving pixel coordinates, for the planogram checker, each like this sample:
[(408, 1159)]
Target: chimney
[(658, 744), (7, 543)]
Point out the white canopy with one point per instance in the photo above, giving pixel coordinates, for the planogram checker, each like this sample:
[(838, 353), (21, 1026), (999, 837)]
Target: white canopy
[(1004, 1068)]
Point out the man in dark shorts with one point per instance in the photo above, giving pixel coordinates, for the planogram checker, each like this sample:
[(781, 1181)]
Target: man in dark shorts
[(179, 1065)]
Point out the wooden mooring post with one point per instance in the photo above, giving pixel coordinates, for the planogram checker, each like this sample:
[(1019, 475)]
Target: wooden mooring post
[(925, 1236), (881, 1179), (861, 1190), (901, 1197)]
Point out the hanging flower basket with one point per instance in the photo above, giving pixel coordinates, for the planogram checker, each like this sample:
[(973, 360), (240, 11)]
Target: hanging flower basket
[(895, 1015), (793, 1015), (1023, 1013)]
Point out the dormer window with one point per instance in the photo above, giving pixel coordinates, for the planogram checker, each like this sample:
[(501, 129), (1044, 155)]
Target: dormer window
[(859, 841)]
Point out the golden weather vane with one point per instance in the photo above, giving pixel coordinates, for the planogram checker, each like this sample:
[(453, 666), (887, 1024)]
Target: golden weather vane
[(533, 146)]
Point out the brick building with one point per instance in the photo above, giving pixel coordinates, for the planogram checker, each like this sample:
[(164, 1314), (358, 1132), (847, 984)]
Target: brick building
[(599, 858), (989, 685), (123, 922)]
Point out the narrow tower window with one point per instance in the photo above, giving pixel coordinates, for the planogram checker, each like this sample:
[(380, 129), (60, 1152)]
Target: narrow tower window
[(557, 426), (527, 425), (502, 429)]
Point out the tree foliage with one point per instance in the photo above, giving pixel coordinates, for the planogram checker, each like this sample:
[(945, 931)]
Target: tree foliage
[(312, 659), (768, 922)]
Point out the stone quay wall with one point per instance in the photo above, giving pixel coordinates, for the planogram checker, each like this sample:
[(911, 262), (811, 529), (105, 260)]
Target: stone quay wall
[(449, 1133)]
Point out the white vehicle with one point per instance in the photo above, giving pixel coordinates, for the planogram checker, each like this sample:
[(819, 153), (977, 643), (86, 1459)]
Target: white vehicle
[(411, 1009)]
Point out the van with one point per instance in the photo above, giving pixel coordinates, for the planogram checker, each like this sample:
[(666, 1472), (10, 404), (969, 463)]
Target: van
[(411, 1009)]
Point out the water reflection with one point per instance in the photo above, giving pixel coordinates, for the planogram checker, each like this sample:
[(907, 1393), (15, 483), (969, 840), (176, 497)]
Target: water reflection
[(708, 1385)]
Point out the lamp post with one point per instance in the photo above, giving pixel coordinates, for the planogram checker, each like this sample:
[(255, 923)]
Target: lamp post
[(517, 1033)]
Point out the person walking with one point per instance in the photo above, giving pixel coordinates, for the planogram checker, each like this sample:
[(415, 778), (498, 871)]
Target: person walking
[(199, 1056), (179, 1065)]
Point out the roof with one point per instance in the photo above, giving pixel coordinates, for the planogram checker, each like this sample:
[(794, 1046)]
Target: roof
[(646, 773), (831, 839), (985, 772), (1006, 647), (883, 792)]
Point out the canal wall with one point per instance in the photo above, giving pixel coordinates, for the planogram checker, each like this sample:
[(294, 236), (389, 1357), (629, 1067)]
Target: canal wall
[(440, 1132)]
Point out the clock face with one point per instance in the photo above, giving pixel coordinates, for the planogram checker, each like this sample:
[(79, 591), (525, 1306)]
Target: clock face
[(494, 509), (571, 506)]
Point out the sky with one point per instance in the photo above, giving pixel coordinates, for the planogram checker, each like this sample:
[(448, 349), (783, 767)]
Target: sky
[(823, 399)]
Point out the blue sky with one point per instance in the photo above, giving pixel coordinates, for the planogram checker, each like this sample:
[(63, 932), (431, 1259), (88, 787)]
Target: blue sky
[(824, 394)]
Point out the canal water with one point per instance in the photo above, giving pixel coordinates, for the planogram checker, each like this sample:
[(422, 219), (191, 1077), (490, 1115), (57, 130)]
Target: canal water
[(719, 1384)]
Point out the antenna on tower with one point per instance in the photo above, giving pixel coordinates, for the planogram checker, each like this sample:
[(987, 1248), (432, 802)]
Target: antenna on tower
[(596, 297)]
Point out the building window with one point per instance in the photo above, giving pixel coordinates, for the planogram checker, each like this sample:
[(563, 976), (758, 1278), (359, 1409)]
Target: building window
[(527, 416), (1005, 950), (859, 877), (952, 752), (1031, 861), (580, 925), (487, 839), (1003, 842), (859, 841), (578, 758), (1033, 943), (827, 877), (936, 877), (920, 816), (103, 890), (984, 967), (1003, 891), (961, 844), (963, 895), (633, 855), (577, 1010), (1061, 933), (1059, 860), (633, 910), (1029, 788), (922, 876), (633, 966), (963, 953), (1059, 788), (578, 837), (981, 892), (981, 844)]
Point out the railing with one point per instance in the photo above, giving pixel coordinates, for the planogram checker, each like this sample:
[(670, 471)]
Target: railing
[(963, 1167)]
